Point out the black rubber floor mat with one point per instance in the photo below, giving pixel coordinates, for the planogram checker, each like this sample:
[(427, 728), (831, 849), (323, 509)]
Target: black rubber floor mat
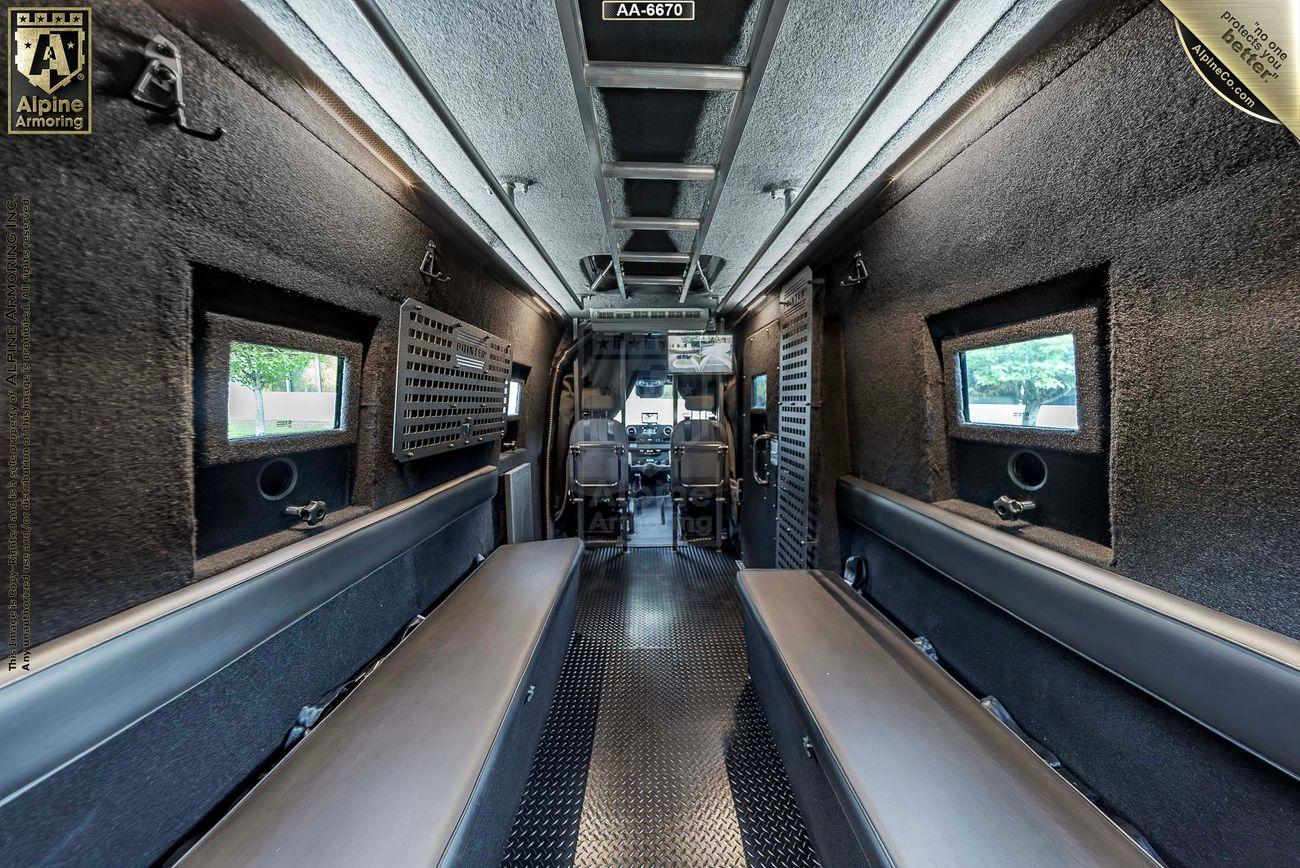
[(656, 751)]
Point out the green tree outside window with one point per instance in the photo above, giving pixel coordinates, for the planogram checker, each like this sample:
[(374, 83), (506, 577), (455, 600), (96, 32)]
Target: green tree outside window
[(260, 368), (1031, 373)]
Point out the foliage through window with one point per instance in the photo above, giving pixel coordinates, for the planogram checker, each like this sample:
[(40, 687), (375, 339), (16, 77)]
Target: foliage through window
[(274, 391), (1029, 384), (667, 408)]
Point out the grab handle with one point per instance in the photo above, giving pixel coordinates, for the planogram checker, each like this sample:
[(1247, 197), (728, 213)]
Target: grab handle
[(753, 457)]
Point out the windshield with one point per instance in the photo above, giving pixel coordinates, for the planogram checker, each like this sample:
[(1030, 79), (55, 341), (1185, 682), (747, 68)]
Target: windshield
[(664, 410)]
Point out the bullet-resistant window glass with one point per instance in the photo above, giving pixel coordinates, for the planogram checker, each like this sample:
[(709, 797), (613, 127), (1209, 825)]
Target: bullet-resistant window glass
[(276, 391), (1037, 382), (1025, 384), (514, 398), (264, 390)]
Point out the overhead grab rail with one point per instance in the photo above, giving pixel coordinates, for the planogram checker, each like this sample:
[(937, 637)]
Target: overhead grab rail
[(575, 48), (743, 81), (921, 37), (397, 48), (766, 28), (659, 171)]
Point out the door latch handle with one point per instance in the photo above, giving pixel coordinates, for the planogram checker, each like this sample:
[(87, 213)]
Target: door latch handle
[(753, 457)]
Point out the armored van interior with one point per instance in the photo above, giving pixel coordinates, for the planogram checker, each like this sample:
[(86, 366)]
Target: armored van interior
[(716, 433)]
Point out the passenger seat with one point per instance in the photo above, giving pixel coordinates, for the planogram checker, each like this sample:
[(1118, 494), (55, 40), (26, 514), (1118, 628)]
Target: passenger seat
[(892, 761), (700, 469), (425, 762), (598, 460)]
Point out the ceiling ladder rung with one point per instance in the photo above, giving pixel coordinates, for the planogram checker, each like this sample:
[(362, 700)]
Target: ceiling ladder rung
[(666, 224), (660, 171), (648, 256), (653, 279), (664, 76)]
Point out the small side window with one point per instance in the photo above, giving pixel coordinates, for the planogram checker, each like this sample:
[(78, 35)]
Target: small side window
[(514, 398), (514, 406), (275, 391), (758, 393), (1027, 403), (264, 390), (1023, 384), (1033, 383)]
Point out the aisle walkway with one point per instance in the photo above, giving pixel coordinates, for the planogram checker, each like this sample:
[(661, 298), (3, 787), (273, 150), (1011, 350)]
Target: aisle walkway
[(656, 751)]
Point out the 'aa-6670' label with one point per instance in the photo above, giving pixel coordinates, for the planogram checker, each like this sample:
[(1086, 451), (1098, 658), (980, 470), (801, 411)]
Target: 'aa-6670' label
[(617, 10)]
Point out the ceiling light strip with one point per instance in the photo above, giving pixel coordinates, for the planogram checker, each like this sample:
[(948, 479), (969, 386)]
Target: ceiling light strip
[(397, 47), (766, 28), (915, 45), (575, 47)]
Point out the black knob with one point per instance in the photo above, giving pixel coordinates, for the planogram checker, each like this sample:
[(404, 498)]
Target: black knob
[(313, 512)]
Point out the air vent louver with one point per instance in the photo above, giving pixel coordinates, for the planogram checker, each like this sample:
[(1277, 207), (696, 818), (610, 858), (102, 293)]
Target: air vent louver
[(654, 319)]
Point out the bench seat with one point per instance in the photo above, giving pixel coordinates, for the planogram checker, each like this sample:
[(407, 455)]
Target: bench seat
[(424, 763), (915, 771)]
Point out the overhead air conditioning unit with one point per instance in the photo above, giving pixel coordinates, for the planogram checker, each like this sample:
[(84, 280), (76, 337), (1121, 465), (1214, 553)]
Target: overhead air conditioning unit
[(649, 319)]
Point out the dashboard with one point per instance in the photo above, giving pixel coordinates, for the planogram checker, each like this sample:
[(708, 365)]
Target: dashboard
[(648, 448), (651, 432)]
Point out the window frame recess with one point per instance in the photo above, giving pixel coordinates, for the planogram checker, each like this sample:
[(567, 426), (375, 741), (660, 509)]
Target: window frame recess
[(211, 422), (1083, 325)]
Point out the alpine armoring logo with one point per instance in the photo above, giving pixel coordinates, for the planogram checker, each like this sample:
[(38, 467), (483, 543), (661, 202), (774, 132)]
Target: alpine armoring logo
[(49, 70)]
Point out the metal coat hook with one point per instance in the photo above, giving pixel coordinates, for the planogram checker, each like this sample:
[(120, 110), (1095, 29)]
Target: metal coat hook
[(429, 265), (859, 274), (159, 88)]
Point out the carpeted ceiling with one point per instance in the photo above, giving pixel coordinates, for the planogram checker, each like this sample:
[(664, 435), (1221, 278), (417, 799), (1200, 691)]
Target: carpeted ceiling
[(501, 68)]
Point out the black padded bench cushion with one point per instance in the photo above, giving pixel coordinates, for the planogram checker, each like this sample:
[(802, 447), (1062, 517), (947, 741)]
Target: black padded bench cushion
[(392, 776), (924, 775)]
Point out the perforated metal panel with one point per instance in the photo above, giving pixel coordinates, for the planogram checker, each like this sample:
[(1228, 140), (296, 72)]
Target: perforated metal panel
[(795, 531), (451, 381)]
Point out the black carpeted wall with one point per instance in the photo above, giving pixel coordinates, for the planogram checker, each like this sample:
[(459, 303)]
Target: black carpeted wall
[(1103, 154), (1106, 151), (121, 221)]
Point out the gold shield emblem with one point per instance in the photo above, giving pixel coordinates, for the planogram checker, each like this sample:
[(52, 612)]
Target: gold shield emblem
[(50, 48)]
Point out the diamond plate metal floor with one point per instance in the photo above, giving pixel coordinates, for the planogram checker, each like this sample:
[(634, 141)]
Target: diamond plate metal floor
[(656, 751)]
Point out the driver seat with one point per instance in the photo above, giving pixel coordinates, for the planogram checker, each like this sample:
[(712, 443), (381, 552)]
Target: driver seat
[(700, 469), (598, 465)]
